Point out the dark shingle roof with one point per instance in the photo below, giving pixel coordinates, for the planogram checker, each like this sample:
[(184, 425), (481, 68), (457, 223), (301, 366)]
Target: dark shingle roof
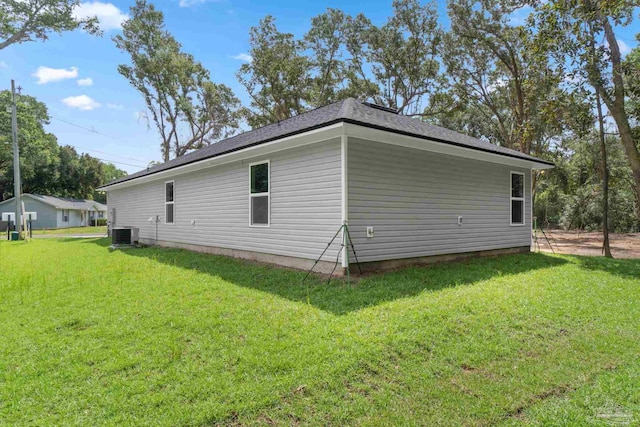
[(66, 202), (349, 111)]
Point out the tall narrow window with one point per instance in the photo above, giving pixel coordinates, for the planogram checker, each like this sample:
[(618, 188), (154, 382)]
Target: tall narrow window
[(65, 215), (168, 202), (260, 194), (517, 198)]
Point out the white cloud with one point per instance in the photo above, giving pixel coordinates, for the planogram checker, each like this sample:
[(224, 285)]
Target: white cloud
[(81, 102), (115, 106), (243, 57), (109, 16), (85, 82), (189, 3), (47, 75), (4, 64)]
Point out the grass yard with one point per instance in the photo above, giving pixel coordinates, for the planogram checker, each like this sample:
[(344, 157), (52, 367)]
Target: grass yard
[(167, 337), (73, 230)]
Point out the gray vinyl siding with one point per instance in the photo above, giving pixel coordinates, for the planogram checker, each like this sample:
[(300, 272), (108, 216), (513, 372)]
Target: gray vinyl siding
[(305, 197), (46, 213), (413, 199), (75, 219)]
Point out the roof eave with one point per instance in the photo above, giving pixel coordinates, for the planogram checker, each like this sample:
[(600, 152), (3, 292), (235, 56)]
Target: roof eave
[(534, 162)]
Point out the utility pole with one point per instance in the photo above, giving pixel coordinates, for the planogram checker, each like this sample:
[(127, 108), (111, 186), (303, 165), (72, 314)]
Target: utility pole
[(16, 158)]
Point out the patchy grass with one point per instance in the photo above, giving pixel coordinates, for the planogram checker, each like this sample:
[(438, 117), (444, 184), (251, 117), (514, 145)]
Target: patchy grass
[(167, 337), (73, 230)]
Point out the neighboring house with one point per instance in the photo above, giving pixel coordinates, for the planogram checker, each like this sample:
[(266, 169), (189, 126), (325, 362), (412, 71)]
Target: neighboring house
[(279, 193), (58, 212)]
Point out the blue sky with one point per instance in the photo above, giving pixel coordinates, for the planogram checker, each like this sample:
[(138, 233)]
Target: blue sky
[(75, 74)]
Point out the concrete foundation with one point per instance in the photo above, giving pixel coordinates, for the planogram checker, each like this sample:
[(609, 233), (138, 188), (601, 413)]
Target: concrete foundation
[(394, 264), (325, 267)]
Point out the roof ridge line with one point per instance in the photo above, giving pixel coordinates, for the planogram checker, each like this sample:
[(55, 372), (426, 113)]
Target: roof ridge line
[(346, 109)]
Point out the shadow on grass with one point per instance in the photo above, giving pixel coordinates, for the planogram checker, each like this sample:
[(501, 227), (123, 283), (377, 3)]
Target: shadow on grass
[(625, 268), (337, 297)]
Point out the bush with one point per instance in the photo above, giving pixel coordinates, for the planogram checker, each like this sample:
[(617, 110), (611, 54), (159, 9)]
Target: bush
[(98, 222)]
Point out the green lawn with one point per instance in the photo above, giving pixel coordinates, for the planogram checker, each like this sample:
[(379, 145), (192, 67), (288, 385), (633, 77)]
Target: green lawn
[(74, 230), (167, 337)]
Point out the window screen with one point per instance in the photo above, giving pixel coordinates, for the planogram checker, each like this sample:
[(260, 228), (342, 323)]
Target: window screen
[(260, 194), (169, 213)]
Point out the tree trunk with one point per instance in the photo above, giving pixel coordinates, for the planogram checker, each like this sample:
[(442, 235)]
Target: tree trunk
[(615, 105), (605, 181)]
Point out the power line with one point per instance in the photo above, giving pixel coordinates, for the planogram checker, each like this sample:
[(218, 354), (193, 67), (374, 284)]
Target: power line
[(103, 134), (108, 154), (120, 163), (92, 130)]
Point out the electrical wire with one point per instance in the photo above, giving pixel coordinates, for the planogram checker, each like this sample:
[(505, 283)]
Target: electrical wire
[(90, 130), (120, 163), (142, 163)]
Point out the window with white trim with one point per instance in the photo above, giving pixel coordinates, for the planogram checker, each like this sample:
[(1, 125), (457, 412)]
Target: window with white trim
[(259, 194), (168, 202), (517, 198), (65, 215)]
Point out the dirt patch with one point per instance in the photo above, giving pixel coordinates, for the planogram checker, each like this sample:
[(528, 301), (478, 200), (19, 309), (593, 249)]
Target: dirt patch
[(583, 243)]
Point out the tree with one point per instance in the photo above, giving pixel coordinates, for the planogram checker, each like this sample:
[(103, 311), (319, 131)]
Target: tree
[(325, 40), (631, 69), (38, 148), (29, 20), (278, 77), (565, 29), (188, 109), (496, 73), (403, 56), (109, 173)]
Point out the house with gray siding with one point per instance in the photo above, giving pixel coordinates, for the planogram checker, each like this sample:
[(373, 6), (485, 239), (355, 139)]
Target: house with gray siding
[(57, 212), (409, 191)]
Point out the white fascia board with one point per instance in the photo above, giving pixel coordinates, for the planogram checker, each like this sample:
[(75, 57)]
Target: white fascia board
[(388, 137), (294, 141)]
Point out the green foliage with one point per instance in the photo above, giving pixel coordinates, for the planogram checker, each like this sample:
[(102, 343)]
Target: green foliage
[(30, 20), (569, 31), (506, 91), (168, 337), (570, 195), (341, 56), (40, 161), (188, 109), (45, 167), (277, 78)]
